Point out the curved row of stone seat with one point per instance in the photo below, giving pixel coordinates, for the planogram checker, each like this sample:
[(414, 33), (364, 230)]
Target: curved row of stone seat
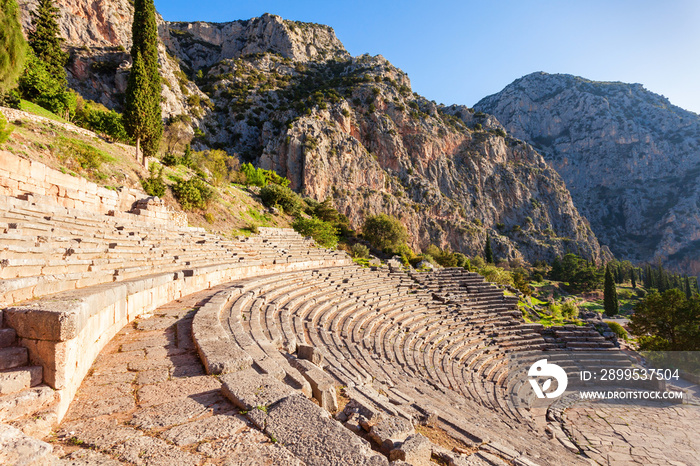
[(49, 249), (347, 319), (372, 331), (91, 274)]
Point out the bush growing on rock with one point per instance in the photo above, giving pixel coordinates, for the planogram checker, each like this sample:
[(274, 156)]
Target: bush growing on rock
[(569, 309), (154, 184), (324, 233), (193, 193), (384, 232), (275, 195), (261, 177), (359, 250), (618, 330)]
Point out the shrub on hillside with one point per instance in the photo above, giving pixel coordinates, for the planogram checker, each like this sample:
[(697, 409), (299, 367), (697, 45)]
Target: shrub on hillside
[(78, 152), (5, 130), (261, 177), (444, 257), (154, 184), (38, 85), (170, 160), (193, 193), (324, 233), (274, 195), (384, 232), (496, 275), (569, 309), (96, 117), (359, 250), (618, 330)]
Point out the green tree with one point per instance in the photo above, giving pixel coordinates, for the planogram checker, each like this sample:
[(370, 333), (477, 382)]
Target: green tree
[(667, 321), (275, 195), (634, 279), (142, 113), (45, 39), (384, 232), (38, 85), (610, 302), (12, 44), (488, 253), (324, 233)]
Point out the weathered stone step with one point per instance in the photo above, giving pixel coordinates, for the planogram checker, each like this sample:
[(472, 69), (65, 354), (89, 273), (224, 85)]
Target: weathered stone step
[(18, 379), (7, 337), (18, 448), (25, 402), (13, 356)]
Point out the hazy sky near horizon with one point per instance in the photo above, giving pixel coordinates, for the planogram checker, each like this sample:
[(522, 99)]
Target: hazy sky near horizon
[(461, 51)]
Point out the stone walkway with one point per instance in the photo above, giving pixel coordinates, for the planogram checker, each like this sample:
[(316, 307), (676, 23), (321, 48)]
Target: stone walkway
[(147, 400), (619, 434)]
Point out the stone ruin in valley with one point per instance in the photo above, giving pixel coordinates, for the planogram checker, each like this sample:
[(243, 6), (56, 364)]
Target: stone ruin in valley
[(128, 337)]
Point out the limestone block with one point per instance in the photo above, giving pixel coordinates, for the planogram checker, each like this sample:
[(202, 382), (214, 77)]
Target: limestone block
[(12, 357), (249, 390), (312, 436), (310, 353), (37, 172), (416, 450), (391, 431), (222, 357), (19, 379), (18, 448)]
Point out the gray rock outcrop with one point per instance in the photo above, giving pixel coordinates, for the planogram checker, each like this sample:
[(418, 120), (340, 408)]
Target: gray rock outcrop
[(628, 156)]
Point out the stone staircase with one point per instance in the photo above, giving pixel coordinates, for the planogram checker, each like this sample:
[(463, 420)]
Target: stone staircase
[(25, 402)]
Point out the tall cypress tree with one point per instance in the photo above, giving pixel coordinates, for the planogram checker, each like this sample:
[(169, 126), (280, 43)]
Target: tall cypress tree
[(633, 274), (142, 114), (488, 253), (12, 44), (45, 39), (610, 302), (648, 277)]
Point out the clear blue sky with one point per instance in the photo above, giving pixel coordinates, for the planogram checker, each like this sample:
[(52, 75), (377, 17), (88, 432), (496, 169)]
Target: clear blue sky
[(461, 51)]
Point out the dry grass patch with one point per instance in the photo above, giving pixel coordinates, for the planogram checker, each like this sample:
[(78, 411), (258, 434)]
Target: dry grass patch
[(439, 436)]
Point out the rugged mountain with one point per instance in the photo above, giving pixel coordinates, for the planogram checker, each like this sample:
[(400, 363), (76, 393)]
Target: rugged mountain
[(98, 38), (630, 158), (352, 129), (286, 95)]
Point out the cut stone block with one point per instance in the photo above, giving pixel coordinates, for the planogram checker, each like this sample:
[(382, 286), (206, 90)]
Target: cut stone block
[(416, 450), (214, 427), (311, 435), (7, 337), (391, 431), (310, 353), (322, 384), (17, 448), (15, 380), (14, 356), (248, 390), (222, 357)]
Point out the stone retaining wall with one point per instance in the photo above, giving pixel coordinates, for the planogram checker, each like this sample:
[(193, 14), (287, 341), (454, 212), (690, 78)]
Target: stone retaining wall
[(20, 177)]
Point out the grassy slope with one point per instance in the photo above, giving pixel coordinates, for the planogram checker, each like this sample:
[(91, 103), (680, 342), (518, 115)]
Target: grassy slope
[(236, 210)]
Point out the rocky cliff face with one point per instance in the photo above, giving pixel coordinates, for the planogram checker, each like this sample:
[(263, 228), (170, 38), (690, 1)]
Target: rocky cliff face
[(629, 157), (352, 129), (287, 96), (98, 38)]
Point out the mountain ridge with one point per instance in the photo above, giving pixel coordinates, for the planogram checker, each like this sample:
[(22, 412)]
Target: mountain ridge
[(287, 96), (628, 156)]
